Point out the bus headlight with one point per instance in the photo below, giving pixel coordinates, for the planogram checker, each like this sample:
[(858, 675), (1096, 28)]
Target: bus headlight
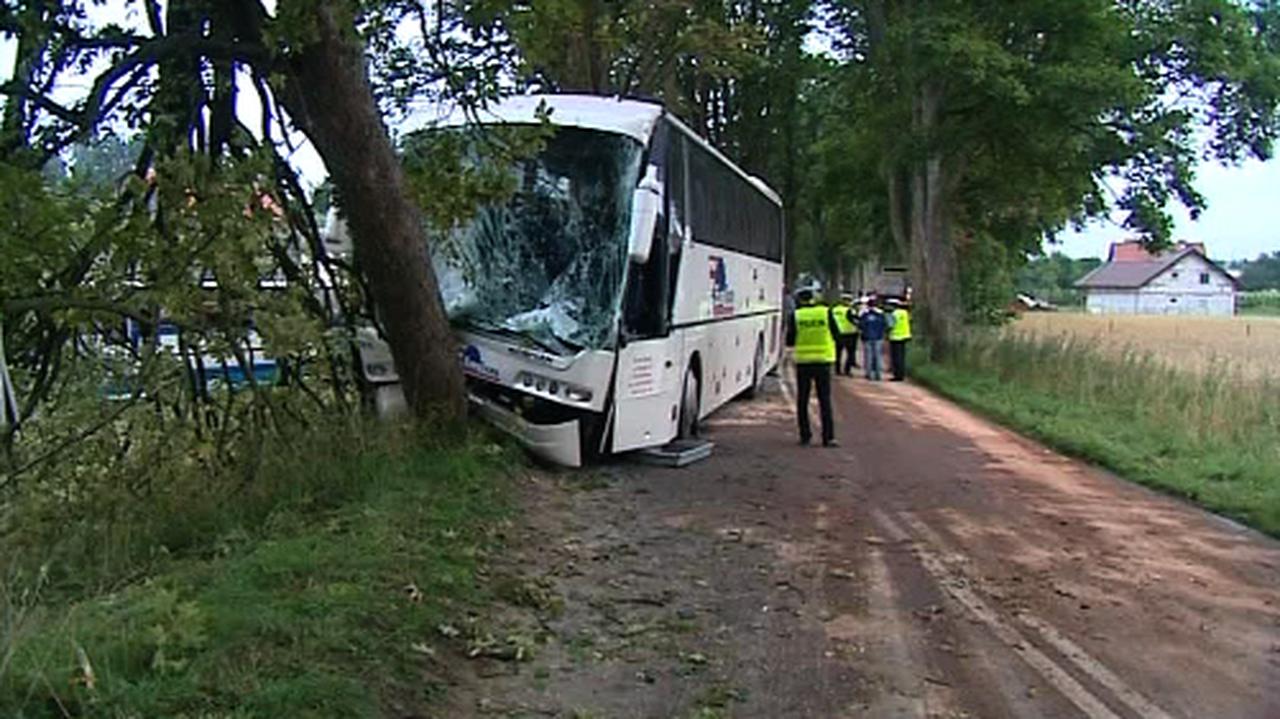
[(537, 384)]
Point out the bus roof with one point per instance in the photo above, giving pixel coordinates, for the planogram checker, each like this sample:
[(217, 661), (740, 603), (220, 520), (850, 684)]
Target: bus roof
[(633, 118)]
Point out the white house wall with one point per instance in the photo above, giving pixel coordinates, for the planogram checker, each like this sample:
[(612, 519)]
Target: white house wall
[(1176, 291), (1112, 302), (1173, 303)]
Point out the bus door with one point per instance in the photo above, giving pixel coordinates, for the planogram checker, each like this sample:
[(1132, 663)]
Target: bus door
[(647, 394), (650, 376)]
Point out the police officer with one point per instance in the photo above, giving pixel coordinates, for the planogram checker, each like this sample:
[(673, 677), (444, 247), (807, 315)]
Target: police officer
[(847, 343), (813, 333), (899, 336)]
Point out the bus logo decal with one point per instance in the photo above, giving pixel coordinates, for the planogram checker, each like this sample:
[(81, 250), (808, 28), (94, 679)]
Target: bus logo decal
[(473, 364), (721, 296)]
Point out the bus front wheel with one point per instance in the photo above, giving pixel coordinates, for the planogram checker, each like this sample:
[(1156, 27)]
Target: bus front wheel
[(689, 406)]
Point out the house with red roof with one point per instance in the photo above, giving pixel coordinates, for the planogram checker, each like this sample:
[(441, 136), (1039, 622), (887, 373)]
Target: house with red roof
[(1181, 280)]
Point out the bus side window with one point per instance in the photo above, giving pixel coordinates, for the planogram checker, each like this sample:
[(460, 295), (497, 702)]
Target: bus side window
[(677, 214), (644, 312)]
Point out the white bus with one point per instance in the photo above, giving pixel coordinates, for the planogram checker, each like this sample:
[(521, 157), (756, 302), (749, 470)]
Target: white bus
[(631, 285)]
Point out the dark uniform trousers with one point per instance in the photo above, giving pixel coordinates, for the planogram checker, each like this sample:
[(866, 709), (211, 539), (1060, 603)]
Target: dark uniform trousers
[(898, 359), (847, 353), (819, 374)]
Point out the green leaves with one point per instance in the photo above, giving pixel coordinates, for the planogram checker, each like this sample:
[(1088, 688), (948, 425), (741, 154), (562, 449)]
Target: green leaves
[(452, 172), (86, 286), (1035, 110), (649, 48)]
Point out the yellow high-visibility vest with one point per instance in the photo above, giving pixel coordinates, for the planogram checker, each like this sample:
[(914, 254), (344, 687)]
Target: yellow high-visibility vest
[(901, 329), (814, 343), (843, 324)]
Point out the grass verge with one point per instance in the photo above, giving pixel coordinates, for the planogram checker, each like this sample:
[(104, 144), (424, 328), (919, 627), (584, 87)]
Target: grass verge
[(1210, 438), (323, 600)]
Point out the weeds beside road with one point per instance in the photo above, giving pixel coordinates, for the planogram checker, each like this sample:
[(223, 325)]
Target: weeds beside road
[(318, 592), (1208, 436)]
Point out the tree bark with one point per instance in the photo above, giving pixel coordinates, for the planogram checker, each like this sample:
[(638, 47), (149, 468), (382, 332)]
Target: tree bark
[(919, 187), (933, 255), (326, 91)]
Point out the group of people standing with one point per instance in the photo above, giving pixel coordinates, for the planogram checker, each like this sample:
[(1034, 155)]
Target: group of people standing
[(871, 322), (826, 338)]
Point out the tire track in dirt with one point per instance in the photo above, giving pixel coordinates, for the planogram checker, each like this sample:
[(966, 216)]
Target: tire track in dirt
[(1056, 671)]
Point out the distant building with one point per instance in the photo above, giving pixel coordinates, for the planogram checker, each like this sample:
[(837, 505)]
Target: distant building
[(1179, 281), (875, 275)]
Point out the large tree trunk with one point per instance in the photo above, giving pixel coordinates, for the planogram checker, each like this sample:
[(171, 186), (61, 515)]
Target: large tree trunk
[(933, 256), (919, 188), (326, 91), (584, 67)]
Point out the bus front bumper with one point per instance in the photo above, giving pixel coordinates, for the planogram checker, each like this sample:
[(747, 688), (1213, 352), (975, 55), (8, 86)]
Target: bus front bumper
[(557, 443)]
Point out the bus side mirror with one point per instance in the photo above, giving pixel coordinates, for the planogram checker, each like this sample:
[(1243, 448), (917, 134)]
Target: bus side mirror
[(646, 204)]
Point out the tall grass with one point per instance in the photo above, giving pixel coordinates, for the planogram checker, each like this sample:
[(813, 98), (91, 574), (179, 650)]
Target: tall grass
[(1242, 346), (1207, 436), (282, 597), (88, 527)]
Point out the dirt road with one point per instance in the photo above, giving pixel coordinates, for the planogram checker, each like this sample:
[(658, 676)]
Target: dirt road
[(933, 566)]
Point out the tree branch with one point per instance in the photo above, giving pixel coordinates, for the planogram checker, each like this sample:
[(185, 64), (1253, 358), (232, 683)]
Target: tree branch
[(59, 303), (17, 91)]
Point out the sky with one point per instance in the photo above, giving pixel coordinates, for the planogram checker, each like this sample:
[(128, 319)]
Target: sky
[(1242, 220)]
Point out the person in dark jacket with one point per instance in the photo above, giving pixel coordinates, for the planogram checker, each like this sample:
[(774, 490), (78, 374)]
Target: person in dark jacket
[(872, 326)]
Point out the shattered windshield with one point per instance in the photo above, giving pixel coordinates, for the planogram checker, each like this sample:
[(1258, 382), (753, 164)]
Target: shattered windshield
[(548, 262)]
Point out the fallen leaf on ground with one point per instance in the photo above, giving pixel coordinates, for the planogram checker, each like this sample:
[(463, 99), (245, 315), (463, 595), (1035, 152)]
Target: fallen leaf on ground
[(415, 594)]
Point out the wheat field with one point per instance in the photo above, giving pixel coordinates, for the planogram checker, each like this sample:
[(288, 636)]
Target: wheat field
[(1246, 346)]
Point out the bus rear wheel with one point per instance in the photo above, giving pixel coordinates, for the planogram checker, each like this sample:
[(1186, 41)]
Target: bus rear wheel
[(689, 406)]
